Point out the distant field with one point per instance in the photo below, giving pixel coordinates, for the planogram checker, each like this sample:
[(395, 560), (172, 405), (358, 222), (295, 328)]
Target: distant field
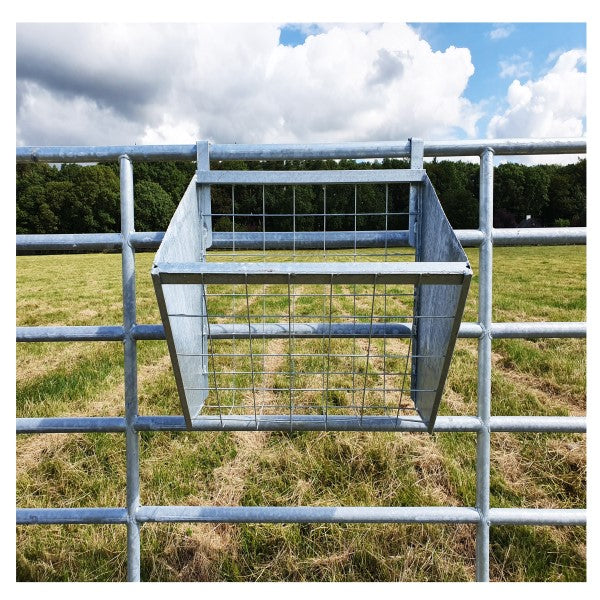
[(530, 377)]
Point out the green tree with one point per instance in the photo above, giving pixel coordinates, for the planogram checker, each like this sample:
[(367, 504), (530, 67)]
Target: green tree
[(153, 206), (454, 185), (33, 213)]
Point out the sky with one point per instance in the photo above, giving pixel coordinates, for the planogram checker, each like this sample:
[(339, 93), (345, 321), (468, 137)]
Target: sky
[(159, 83)]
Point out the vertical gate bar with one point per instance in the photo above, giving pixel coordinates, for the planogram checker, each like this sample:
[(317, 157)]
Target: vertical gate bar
[(484, 366), (130, 367)]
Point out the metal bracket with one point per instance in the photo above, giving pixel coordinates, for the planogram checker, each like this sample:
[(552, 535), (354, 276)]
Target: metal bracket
[(416, 162), (204, 203)]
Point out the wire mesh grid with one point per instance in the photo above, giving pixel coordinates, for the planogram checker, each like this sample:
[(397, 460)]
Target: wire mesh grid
[(349, 365), (322, 375), (310, 223)]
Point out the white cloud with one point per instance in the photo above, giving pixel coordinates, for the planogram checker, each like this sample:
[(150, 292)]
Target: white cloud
[(552, 106), (515, 66), (500, 32), (234, 83)]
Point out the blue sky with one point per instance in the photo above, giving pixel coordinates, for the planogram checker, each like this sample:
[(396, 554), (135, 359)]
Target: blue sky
[(500, 52)]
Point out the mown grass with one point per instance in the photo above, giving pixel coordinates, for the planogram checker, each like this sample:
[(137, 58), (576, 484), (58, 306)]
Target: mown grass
[(530, 377)]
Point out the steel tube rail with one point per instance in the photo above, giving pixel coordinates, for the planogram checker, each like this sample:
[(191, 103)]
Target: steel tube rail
[(334, 423), (538, 516), (502, 147), (484, 363), (67, 516), (274, 423), (220, 331), (130, 368), (307, 240), (114, 333), (305, 423), (62, 243), (71, 425), (542, 236), (308, 514), (534, 329), (303, 240), (73, 333), (538, 424), (301, 514)]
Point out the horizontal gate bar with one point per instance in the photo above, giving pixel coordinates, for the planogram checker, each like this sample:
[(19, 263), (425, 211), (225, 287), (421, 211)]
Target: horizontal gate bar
[(302, 514), (541, 236), (515, 424), (538, 516), (424, 273), (67, 242), (572, 329), (308, 514), (307, 240), (229, 331), (310, 330), (304, 423), (48, 516), (395, 150), (71, 425), (281, 240), (72, 333), (535, 424), (63, 154)]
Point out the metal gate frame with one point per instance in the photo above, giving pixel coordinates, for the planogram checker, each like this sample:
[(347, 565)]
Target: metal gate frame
[(128, 241)]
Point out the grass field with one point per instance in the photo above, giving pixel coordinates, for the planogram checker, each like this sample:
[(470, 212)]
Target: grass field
[(530, 377)]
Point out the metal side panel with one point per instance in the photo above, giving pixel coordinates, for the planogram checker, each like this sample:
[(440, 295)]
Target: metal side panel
[(439, 307), (186, 337), (334, 176), (313, 273)]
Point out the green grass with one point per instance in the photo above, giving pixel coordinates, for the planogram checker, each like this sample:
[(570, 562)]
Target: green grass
[(530, 377)]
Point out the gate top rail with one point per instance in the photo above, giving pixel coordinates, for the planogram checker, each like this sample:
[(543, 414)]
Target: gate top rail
[(501, 147)]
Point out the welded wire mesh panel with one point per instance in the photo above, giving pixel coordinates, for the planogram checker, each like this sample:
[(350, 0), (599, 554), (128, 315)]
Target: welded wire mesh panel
[(335, 222), (326, 349)]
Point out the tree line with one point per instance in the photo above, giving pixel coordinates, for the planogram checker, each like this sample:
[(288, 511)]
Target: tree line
[(73, 198)]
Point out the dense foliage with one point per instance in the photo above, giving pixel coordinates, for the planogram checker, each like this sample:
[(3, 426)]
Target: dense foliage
[(85, 199)]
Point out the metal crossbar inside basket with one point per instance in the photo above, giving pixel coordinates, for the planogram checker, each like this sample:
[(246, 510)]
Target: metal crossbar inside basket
[(343, 327)]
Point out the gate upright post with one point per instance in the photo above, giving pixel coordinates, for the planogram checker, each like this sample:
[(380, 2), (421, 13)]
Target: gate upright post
[(484, 367), (130, 368)]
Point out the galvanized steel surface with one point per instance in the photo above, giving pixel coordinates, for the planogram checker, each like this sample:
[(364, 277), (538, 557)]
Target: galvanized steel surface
[(130, 370), (301, 514), (484, 363), (108, 333), (134, 514), (438, 279), (434, 339), (502, 147), (273, 423), (58, 243)]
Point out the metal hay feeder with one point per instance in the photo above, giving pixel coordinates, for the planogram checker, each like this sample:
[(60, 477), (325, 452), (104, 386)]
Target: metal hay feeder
[(262, 325)]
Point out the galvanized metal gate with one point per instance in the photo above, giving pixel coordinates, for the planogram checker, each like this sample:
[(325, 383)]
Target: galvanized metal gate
[(128, 241)]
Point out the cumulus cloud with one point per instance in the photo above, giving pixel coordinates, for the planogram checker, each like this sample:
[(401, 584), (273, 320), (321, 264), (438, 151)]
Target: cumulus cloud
[(552, 106), (160, 83)]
